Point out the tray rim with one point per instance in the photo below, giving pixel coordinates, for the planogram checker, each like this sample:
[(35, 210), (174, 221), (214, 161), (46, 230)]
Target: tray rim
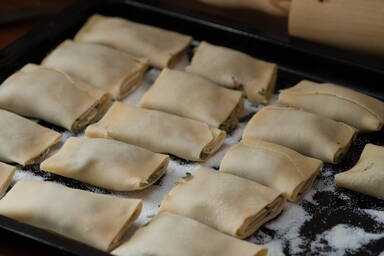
[(59, 242)]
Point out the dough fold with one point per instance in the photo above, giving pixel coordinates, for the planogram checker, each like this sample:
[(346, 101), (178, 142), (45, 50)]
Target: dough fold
[(23, 141), (172, 235), (228, 203), (6, 175), (62, 100), (105, 68), (304, 132), (341, 104), (161, 47), (235, 70), (94, 219), (159, 132), (188, 95), (272, 165), (367, 176), (107, 163)]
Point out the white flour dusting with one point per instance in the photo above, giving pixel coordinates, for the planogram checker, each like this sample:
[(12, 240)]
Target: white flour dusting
[(376, 215), (306, 228), (343, 239)]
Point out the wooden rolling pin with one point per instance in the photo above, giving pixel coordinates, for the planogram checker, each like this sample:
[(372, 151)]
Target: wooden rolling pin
[(274, 7), (351, 24)]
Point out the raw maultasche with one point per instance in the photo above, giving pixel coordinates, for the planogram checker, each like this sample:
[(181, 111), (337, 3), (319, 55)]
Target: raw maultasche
[(235, 70), (272, 165), (110, 70), (80, 103), (228, 203), (94, 219), (367, 176), (188, 95), (304, 132), (173, 235), (86, 159), (163, 48), (158, 131), (6, 174), (361, 111)]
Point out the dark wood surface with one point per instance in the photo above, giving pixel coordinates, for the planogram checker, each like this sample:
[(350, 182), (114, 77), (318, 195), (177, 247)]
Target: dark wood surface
[(37, 10)]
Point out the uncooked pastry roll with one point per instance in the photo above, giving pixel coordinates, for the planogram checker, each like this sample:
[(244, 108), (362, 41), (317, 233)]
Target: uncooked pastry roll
[(352, 24), (163, 48), (105, 68), (6, 175), (159, 132), (234, 69), (228, 203), (341, 104), (274, 7), (304, 132), (94, 219), (107, 163), (188, 95), (367, 176), (23, 141), (52, 96), (272, 165), (172, 235)]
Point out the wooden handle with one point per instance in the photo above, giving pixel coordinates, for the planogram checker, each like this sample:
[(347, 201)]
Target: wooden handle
[(274, 7), (352, 24)]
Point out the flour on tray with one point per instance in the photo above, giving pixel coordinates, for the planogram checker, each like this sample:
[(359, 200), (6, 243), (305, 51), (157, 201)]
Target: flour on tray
[(328, 221)]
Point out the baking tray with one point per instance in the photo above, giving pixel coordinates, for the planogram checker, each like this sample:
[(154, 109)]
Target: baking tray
[(328, 207)]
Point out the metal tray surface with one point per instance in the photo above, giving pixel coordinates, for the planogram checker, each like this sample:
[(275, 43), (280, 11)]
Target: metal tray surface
[(329, 221)]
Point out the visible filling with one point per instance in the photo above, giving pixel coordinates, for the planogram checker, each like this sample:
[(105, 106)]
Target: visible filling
[(233, 118), (271, 85), (252, 223), (175, 59), (87, 117), (302, 188), (130, 84), (115, 242), (5, 185), (216, 142), (42, 155), (157, 174), (342, 151)]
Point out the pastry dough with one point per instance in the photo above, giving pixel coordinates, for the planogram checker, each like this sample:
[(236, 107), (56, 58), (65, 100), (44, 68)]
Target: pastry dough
[(52, 96), (107, 163), (367, 176), (304, 132), (94, 219), (105, 68), (234, 69), (228, 203), (356, 109), (187, 95), (23, 141), (172, 235), (6, 175), (163, 48), (272, 165), (274, 7), (159, 132)]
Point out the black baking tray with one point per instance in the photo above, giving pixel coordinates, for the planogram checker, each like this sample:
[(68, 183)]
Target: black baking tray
[(295, 63)]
